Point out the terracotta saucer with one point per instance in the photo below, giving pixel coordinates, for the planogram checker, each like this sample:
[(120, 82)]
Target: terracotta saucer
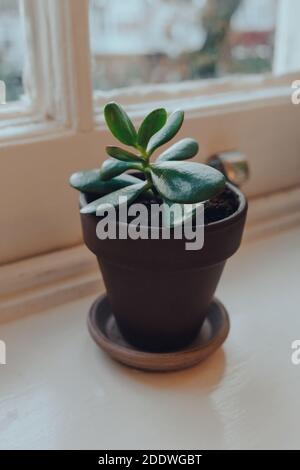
[(104, 330)]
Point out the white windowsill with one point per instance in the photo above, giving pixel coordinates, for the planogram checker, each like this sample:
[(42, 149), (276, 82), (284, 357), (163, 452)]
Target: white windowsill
[(58, 390)]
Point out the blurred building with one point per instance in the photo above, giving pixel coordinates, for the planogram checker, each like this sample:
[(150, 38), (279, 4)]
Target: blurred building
[(152, 41)]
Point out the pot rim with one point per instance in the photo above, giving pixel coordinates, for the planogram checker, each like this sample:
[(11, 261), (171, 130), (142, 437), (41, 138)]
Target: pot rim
[(243, 205)]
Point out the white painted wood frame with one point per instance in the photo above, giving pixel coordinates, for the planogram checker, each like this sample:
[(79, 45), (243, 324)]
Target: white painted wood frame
[(63, 130)]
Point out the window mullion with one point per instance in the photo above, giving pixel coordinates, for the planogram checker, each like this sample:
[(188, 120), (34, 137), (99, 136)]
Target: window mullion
[(69, 29), (57, 73), (286, 55)]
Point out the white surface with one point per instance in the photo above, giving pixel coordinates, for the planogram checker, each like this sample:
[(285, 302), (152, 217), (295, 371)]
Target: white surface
[(58, 390)]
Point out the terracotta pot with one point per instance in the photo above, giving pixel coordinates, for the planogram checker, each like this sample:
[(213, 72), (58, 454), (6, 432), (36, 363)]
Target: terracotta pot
[(159, 292)]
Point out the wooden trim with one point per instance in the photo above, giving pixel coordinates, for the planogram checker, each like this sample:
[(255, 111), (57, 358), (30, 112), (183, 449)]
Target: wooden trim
[(273, 213), (33, 285), (36, 284), (204, 105), (57, 74), (235, 87), (46, 269)]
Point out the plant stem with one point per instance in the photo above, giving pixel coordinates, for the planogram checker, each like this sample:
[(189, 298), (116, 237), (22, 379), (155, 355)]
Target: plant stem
[(143, 152), (149, 178)]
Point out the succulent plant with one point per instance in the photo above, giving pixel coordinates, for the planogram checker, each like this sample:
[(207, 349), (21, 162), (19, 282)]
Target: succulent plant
[(169, 178)]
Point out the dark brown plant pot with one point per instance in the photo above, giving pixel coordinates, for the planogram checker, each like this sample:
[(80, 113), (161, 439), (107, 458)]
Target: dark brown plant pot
[(159, 291)]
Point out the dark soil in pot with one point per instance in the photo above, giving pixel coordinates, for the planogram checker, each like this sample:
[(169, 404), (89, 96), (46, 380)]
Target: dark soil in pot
[(221, 206), (160, 292)]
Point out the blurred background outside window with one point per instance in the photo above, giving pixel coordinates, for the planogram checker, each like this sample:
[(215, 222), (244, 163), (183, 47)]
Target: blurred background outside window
[(11, 48), (136, 42)]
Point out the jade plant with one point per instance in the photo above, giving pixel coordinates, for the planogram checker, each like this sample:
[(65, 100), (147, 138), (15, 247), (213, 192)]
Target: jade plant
[(169, 178)]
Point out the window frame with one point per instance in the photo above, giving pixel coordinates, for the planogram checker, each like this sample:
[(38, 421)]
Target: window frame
[(201, 96), (66, 132), (58, 95)]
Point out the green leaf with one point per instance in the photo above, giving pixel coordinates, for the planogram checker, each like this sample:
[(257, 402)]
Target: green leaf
[(123, 155), (111, 168), (120, 124), (151, 124), (182, 150), (131, 193), (187, 183), (91, 182), (167, 133)]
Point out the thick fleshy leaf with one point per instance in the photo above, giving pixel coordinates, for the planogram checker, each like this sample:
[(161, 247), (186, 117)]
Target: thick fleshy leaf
[(112, 167), (187, 182), (90, 182), (113, 199), (182, 150), (151, 124), (122, 154), (167, 133), (120, 124)]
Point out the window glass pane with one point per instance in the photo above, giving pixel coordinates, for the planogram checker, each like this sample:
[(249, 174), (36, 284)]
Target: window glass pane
[(11, 48), (159, 41)]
